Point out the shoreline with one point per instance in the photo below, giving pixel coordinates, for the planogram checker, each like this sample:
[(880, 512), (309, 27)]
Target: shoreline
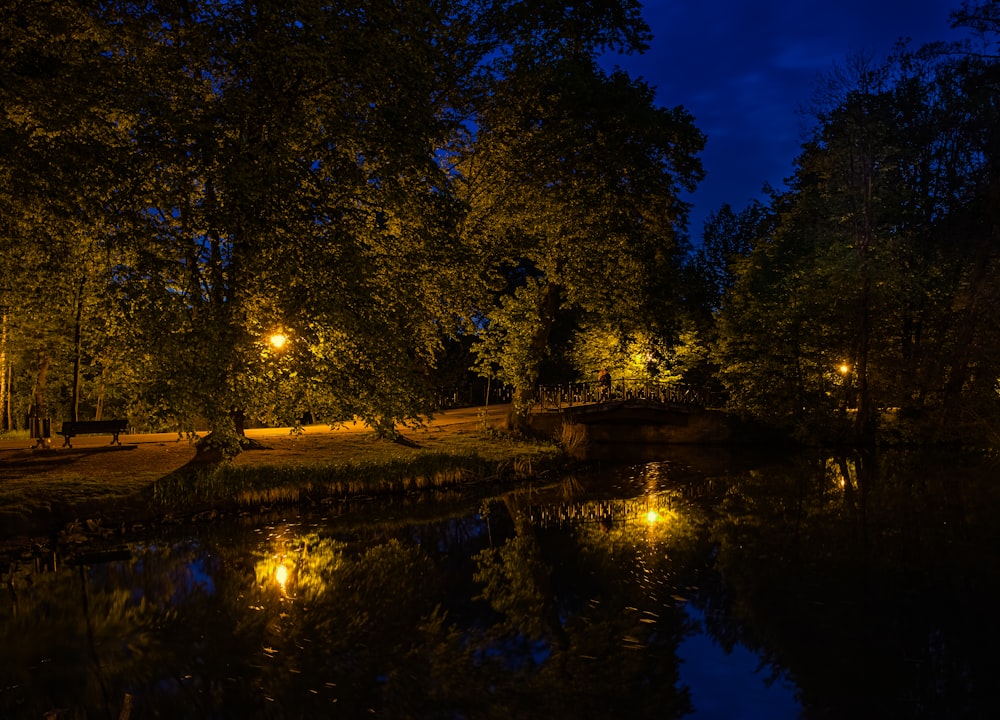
[(94, 491)]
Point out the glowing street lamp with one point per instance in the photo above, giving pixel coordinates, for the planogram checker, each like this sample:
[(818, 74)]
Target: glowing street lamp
[(278, 340), (844, 369)]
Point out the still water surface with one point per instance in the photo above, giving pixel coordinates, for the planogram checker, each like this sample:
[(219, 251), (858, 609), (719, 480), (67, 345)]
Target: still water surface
[(702, 586)]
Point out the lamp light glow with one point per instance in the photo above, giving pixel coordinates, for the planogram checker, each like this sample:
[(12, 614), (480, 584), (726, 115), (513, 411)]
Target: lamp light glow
[(281, 576)]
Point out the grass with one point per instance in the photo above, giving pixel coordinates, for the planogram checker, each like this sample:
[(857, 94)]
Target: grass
[(573, 437), (41, 493), (15, 435), (267, 485)]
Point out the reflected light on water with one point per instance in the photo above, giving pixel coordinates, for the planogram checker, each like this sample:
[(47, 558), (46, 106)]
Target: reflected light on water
[(281, 575)]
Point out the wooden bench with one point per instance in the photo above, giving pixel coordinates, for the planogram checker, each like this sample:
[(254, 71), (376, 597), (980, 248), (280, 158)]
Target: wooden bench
[(71, 429)]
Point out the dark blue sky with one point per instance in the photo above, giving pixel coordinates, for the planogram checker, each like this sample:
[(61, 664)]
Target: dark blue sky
[(746, 69)]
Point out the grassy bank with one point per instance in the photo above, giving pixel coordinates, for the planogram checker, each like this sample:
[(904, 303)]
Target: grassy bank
[(263, 484), (109, 490)]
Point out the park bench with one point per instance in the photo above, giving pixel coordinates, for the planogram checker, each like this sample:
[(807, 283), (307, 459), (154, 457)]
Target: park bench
[(72, 428)]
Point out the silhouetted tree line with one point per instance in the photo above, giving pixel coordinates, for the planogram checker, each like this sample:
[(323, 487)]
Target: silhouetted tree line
[(862, 298)]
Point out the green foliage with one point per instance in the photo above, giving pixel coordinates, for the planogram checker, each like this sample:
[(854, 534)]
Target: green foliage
[(728, 236), (507, 348), (201, 173), (876, 261), (573, 189), (640, 355)]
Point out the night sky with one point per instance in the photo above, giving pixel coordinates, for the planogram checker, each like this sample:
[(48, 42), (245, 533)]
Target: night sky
[(746, 70)]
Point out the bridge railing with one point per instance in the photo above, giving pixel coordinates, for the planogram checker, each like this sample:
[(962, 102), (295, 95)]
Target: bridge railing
[(555, 397)]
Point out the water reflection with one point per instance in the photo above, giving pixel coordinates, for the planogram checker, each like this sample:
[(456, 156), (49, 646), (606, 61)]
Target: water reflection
[(820, 586), (732, 683)]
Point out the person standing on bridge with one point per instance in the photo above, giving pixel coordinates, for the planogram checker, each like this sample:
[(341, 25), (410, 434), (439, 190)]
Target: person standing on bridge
[(604, 385)]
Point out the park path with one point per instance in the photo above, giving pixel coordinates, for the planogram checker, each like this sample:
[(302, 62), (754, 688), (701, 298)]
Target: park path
[(467, 418)]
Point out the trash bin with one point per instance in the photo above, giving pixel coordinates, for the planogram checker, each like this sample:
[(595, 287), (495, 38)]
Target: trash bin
[(40, 427)]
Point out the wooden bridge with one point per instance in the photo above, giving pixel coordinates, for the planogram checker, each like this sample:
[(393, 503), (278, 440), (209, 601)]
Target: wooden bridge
[(631, 412), (569, 395)]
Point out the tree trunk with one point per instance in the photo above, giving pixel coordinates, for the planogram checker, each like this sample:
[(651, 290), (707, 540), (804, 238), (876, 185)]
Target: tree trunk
[(865, 419), (9, 407), (524, 390), (517, 418), (4, 385), (978, 297), (239, 421), (77, 351), (38, 408), (99, 404)]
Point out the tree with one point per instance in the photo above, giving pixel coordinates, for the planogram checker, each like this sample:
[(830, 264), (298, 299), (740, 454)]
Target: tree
[(982, 17), (573, 185), (830, 256), (969, 88), (880, 261), (728, 236), (288, 179), (57, 174)]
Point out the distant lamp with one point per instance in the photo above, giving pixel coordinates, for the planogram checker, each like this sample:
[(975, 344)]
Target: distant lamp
[(652, 517), (844, 369), (278, 340)]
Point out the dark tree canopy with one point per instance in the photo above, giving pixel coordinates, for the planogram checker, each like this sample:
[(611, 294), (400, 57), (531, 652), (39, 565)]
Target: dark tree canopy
[(868, 300), (187, 177)]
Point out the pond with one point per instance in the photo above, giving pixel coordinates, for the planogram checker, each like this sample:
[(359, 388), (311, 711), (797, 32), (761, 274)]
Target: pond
[(702, 586)]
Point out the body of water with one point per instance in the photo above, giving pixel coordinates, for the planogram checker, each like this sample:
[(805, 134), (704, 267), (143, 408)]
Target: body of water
[(814, 586)]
